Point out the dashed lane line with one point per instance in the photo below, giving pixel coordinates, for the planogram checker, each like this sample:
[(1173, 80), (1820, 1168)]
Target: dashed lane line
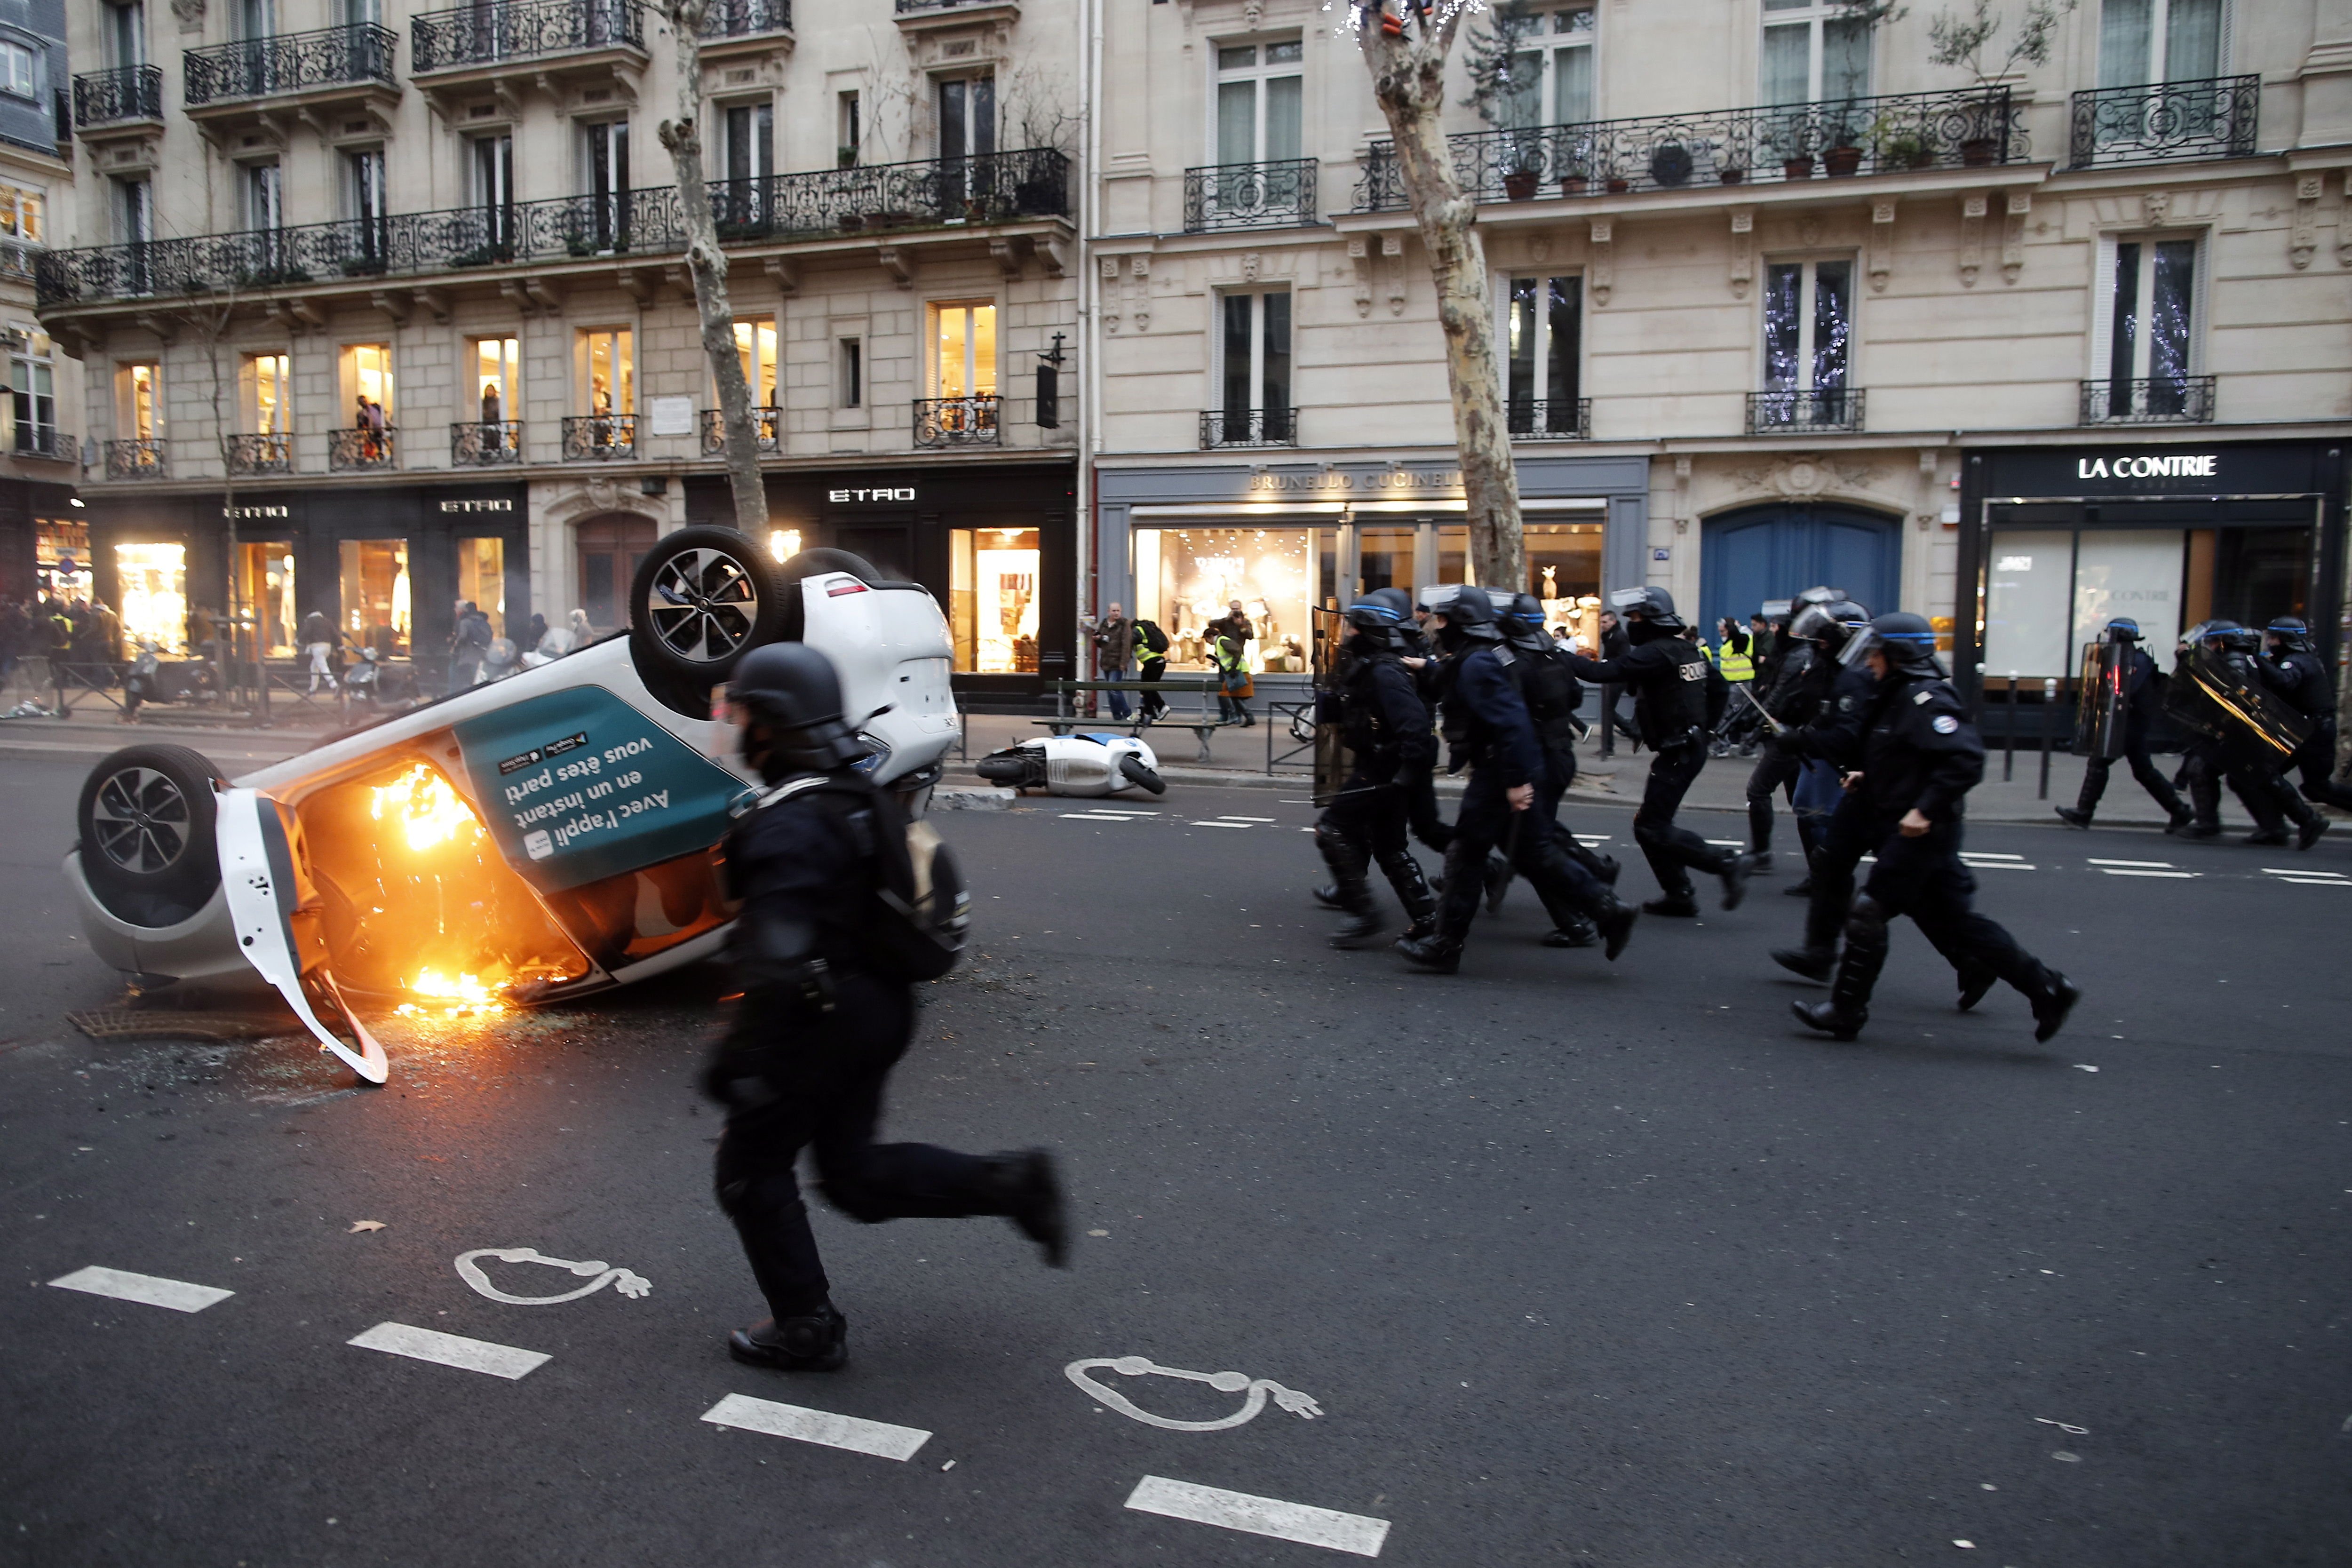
[(450, 1350), (823, 1427), (1230, 817), (1093, 816), (2302, 878), (2130, 871), (146, 1289), (1224, 825), (1353, 1533)]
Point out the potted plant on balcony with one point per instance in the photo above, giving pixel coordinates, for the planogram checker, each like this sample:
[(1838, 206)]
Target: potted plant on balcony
[(1522, 168), (1899, 146), (1507, 94), (1960, 42), (1842, 156)]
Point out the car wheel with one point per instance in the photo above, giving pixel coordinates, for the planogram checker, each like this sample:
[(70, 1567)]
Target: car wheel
[(145, 822), (704, 598), (1132, 769)]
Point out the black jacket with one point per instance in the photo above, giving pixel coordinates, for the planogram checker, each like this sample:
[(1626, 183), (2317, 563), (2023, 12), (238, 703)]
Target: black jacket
[(1834, 733), (1382, 716), (1487, 721), (1669, 680), (1539, 669), (2300, 680), (1919, 753), (1786, 696)]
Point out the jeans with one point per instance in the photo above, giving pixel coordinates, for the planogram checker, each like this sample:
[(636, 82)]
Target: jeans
[(1117, 698)]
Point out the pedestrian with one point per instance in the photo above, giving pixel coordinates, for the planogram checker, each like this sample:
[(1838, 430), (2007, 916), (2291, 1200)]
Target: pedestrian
[(1763, 642), (319, 643), (1152, 664), (469, 639), (1225, 645), (1668, 674), (2301, 681), (535, 630), (1386, 728), (2140, 693), (582, 634), (1614, 719), (826, 1011), (1114, 639), (1920, 758)]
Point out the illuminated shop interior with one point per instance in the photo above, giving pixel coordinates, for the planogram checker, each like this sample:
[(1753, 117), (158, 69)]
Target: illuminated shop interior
[(482, 578), (153, 584), (265, 595), (61, 558), (992, 600), (377, 611)]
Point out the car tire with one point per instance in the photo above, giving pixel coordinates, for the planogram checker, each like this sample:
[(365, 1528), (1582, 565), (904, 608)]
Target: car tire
[(145, 825), (1132, 769), (703, 598)]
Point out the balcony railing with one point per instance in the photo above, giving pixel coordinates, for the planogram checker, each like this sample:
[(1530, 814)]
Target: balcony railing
[(1900, 132), (2158, 400), (1249, 195), (766, 426), (958, 421), (1835, 408), (915, 8), (126, 93), (265, 454), (1249, 427), (1550, 418), (485, 34), (485, 442), (599, 438), (46, 441), (743, 18), (17, 258), (291, 62), (361, 451), (2165, 121), (139, 460), (992, 187)]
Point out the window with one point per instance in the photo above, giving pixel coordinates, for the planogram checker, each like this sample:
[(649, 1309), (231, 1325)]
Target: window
[(497, 387), (604, 175), (1253, 366), (138, 402), (1553, 78), (377, 608), (849, 132), (256, 18), (2145, 339), (32, 371), (126, 34), (1808, 325), (22, 210), (265, 204), (367, 380), (363, 194), (1187, 577), (18, 72), (755, 346), (1543, 334), (747, 154), (134, 214), (482, 579), (490, 177), (265, 587), (853, 372), (151, 582), (964, 350), (966, 116), (1814, 52), (2159, 40), (265, 392), (606, 368), (1258, 94), (992, 599)]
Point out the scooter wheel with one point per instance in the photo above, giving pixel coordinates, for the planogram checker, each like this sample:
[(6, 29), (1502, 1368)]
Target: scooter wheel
[(1132, 769)]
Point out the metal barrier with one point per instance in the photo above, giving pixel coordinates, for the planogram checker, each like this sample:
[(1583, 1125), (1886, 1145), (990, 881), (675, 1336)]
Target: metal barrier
[(1287, 717)]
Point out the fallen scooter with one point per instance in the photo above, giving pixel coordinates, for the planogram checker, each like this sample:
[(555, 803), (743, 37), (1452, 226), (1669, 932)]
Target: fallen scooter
[(1084, 764)]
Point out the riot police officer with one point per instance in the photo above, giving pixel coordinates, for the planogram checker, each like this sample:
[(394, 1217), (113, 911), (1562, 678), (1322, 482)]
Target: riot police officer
[(1920, 758), (1539, 672), (2142, 696), (2237, 755), (1668, 674), (1490, 729), (1784, 697), (1386, 727), (1420, 657), (2301, 679), (823, 1017)]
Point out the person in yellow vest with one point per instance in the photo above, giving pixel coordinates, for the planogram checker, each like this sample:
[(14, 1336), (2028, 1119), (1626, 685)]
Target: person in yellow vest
[(1731, 653)]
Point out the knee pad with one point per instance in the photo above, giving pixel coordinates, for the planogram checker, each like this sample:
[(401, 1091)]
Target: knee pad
[(1865, 923)]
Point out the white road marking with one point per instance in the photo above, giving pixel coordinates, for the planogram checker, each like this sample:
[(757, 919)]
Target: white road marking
[(1259, 1515), (2317, 882), (1728, 843), (2156, 865), (823, 1427), (1229, 816), (631, 1285), (1091, 817), (1592, 838), (1242, 825), (145, 1289), (1124, 811), (2134, 872), (1996, 864), (1987, 855), (449, 1349), (1255, 1390)]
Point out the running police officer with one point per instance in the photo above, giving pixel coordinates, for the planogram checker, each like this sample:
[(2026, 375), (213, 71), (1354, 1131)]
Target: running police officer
[(1489, 728), (1668, 674), (1386, 727), (824, 1015), (1539, 671), (2301, 679), (1420, 657), (1920, 758), (1785, 701), (2142, 697), (2237, 754)]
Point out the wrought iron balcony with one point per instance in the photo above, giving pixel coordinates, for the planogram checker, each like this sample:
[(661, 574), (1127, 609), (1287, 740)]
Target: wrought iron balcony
[(993, 187), (291, 62), (1550, 418), (746, 18), (265, 454), (1249, 195), (1249, 427), (2157, 400), (1900, 132), (125, 92), (1833, 408), (485, 442), (916, 8), (2165, 122), (362, 451), (958, 421), (139, 460), (599, 438), (767, 424), (502, 30), (46, 441)]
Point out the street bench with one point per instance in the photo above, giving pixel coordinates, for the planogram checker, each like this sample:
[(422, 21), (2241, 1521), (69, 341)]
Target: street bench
[(1203, 724)]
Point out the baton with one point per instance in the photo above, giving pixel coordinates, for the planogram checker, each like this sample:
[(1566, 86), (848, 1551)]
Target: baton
[(1778, 728)]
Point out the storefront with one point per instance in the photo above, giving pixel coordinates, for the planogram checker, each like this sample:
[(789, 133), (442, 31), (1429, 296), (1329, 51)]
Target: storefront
[(2055, 540), (384, 566), (1180, 545), (996, 545), (44, 541)]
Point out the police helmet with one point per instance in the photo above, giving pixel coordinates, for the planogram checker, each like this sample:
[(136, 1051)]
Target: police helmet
[(2237, 638), (1647, 612), (2123, 628), (1907, 640), (2292, 633), (789, 692), (1524, 618), (1821, 596), (1379, 613), (1471, 614), (2222, 633)]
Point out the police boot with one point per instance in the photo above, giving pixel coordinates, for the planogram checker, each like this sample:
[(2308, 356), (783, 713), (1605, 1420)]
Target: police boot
[(2052, 1002), (1678, 901), (1498, 881), (1028, 1191), (1412, 889), (1437, 953), (818, 1341), (1975, 981), (2308, 824), (1576, 931), (1348, 861), (1815, 964), (1760, 831), (1604, 867), (1328, 895), (2205, 807), (1734, 872), (1614, 920), (2078, 814), (1848, 1008)]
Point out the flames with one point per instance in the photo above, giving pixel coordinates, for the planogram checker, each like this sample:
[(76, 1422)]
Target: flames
[(428, 811), (463, 996)]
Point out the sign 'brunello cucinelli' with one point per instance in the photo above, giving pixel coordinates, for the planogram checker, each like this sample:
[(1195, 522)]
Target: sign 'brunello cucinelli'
[(2150, 466), (1386, 479)]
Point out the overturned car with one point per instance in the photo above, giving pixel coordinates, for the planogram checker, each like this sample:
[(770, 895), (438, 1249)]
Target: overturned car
[(548, 836)]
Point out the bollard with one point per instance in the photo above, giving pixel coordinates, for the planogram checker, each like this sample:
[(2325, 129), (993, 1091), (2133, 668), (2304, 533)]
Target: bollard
[(2049, 707), (2009, 734)]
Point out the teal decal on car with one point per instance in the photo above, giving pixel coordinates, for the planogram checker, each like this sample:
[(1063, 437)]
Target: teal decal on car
[(578, 786)]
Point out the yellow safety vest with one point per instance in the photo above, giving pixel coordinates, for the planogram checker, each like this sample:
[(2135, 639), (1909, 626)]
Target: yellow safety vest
[(1736, 666)]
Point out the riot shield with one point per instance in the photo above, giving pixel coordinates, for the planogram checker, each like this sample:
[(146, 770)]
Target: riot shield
[(1333, 760), (2208, 694), (2099, 702)]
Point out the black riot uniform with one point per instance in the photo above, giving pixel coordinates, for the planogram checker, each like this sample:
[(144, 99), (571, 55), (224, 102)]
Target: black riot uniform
[(1488, 726), (2300, 680), (1787, 699), (822, 1020), (1539, 670), (2143, 698), (1920, 758), (1420, 781), (1386, 727), (2238, 757), (1668, 674)]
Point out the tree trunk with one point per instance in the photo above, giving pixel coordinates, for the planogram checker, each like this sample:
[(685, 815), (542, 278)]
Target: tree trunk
[(1409, 80), (707, 264)]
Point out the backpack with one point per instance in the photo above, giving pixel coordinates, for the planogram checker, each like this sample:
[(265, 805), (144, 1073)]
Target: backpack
[(1154, 641), (920, 912)]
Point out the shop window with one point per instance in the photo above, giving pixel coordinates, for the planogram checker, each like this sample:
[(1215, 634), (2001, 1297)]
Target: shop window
[(23, 213), (1814, 51), (1258, 95), (137, 401), (2146, 344), (1552, 79), (755, 346), (611, 550), (152, 580), (376, 607), (608, 376), (783, 543), (1185, 578), (1253, 367), (264, 590), (1543, 338), (992, 599), (482, 579), (1385, 558), (1564, 572), (853, 372), (61, 559), (32, 373), (2143, 41)]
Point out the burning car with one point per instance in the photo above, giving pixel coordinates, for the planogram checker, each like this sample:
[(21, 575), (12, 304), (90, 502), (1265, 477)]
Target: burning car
[(548, 836)]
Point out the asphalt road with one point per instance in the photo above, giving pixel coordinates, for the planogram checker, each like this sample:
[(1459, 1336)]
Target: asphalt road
[(1591, 1264)]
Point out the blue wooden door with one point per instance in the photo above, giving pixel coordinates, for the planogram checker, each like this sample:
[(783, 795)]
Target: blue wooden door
[(1774, 552)]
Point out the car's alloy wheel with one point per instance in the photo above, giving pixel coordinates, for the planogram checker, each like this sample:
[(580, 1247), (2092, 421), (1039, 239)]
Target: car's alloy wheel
[(140, 821), (704, 606)]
